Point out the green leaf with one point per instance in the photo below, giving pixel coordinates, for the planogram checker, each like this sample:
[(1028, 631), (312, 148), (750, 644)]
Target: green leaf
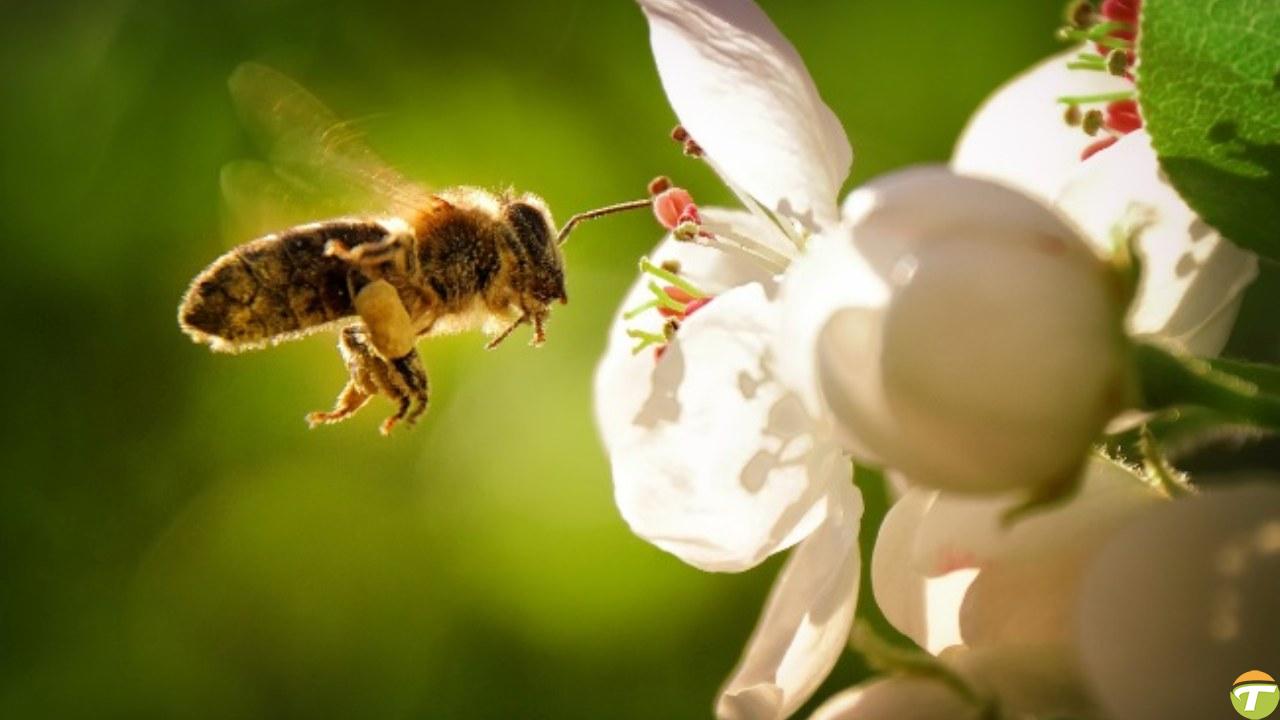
[(1239, 391), (1263, 375), (1209, 84), (1182, 431)]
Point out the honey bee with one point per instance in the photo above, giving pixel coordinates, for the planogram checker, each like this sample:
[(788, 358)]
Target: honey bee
[(421, 264)]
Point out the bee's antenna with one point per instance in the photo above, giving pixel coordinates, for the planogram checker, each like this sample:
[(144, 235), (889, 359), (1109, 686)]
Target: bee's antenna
[(599, 212)]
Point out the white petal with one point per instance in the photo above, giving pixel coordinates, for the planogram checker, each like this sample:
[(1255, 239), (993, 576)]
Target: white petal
[(898, 698), (805, 624), (898, 586), (1022, 602), (830, 274), (743, 93), (921, 604), (1029, 571), (1018, 136), (966, 531), (945, 565), (719, 464), (1192, 278), (1024, 680), (623, 381), (1181, 602), (995, 361)]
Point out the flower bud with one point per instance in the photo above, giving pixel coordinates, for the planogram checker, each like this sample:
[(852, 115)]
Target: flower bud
[(991, 355), (1181, 602)]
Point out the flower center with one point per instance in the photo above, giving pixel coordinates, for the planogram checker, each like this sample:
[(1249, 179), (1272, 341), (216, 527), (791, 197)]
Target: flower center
[(675, 299)]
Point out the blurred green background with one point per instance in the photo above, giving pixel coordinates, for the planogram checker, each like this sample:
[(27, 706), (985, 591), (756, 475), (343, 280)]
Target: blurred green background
[(176, 543)]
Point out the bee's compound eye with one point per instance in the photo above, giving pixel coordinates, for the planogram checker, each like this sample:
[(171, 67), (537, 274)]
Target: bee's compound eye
[(530, 224), (536, 239)]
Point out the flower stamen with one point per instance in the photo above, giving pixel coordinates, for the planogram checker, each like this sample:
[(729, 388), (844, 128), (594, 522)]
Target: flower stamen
[(633, 312), (670, 278), (686, 230), (1080, 14), (1118, 62), (1107, 34), (689, 146), (645, 339), (1113, 29), (1099, 97), (675, 301), (1092, 122), (1123, 116), (1098, 146), (667, 305)]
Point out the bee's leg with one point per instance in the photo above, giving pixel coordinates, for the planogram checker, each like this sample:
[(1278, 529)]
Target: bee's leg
[(497, 340), (539, 330), (538, 318), (403, 380), (412, 380), (362, 363), (391, 333)]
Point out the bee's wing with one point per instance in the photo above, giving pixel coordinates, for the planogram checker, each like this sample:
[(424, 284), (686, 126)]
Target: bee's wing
[(258, 200), (310, 153)]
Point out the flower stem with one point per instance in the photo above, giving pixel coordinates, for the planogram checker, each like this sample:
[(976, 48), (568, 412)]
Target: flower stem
[(1168, 380), (887, 657)]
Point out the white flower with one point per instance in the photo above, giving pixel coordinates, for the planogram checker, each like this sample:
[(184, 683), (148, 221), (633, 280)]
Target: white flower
[(964, 334), (724, 449), (716, 458), (1013, 679), (981, 352), (1193, 279), (1115, 605), (1012, 575), (741, 90), (1181, 602), (997, 603), (1001, 606)]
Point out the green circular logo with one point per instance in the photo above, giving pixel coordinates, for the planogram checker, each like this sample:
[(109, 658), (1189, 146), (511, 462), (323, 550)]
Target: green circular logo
[(1255, 695)]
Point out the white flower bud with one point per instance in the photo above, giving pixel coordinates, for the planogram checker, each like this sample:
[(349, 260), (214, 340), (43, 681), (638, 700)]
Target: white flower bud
[(992, 352), (1183, 601)]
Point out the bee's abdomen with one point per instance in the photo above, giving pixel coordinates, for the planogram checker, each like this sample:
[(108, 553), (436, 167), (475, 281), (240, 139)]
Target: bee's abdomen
[(274, 288)]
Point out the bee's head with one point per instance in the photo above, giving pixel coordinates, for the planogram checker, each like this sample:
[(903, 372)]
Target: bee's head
[(535, 236)]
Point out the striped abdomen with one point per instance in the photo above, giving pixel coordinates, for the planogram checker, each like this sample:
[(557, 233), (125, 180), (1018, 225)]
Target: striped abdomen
[(275, 288)]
